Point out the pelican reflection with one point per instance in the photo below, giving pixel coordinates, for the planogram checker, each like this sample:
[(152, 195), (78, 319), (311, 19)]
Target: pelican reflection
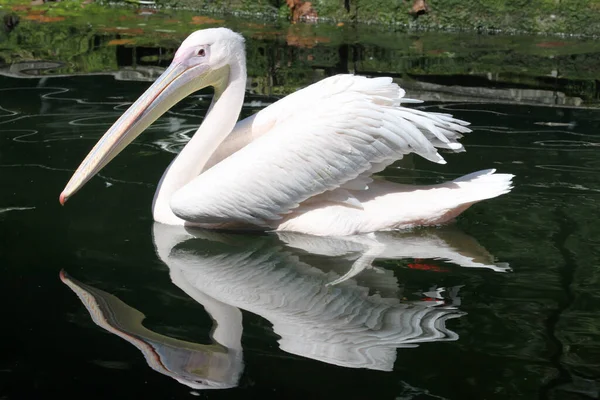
[(199, 366), (323, 296)]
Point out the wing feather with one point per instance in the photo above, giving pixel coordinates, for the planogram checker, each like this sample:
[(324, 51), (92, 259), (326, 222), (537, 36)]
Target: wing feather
[(332, 134)]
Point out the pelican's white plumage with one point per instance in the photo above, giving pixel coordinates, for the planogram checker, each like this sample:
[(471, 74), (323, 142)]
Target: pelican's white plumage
[(305, 159), (354, 124)]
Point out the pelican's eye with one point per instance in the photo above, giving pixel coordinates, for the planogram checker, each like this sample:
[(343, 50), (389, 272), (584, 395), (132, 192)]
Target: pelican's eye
[(201, 53)]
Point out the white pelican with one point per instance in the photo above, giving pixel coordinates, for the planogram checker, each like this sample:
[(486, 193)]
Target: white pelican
[(304, 163)]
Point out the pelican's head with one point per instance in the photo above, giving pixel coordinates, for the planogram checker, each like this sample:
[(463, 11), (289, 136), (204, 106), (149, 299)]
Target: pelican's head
[(206, 58)]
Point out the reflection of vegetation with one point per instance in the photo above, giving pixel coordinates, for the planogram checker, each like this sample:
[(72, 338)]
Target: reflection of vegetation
[(283, 57)]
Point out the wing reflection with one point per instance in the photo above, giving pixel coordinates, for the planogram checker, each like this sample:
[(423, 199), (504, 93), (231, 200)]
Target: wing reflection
[(323, 296)]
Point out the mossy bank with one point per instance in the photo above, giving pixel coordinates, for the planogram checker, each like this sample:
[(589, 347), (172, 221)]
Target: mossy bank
[(135, 42), (568, 17)]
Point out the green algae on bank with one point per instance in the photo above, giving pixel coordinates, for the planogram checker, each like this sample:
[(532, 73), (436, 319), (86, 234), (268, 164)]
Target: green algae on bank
[(573, 17), (283, 57)]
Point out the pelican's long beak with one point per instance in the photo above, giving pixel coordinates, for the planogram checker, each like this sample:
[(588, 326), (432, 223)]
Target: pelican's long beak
[(177, 82)]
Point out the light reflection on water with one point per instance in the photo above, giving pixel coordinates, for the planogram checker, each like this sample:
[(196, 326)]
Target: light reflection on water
[(319, 311)]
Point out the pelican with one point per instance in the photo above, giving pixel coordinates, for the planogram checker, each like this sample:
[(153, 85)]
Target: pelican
[(303, 164)]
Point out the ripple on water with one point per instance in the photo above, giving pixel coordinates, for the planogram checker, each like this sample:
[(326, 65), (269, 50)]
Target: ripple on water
[(564, 185), (7, 209), (566, 143), (569, 168)]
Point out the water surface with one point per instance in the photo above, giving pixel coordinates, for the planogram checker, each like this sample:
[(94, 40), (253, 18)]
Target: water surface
[(501, 304)]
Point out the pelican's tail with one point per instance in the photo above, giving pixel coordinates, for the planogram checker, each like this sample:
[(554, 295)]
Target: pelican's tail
[(390, 206), (472, 188), (438, 204), (482, 185)]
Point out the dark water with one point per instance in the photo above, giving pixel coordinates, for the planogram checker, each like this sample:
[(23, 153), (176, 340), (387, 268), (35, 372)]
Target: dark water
[(501, 304)]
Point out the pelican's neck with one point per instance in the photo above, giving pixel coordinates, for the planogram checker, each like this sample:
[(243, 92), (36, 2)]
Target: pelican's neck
[(219, 121)]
